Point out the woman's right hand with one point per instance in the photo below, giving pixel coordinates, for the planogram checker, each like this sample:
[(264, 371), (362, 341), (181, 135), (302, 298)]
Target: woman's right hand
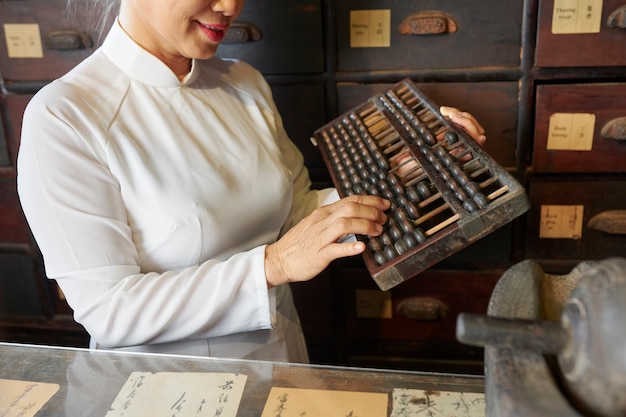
[(310, 246)]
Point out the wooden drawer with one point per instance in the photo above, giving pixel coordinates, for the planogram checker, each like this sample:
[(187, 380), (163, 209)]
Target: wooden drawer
[(290, 37), (20, 292), (15, 104), (369, 37), (559, 223), (579, 37), (494, 104), (424, 308), (46, 39), (302, 109), (4, 151), (13, 227), (569, 125)]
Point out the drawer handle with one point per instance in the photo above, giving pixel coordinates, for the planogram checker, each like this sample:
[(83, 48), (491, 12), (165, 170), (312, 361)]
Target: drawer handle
[(241, 32), (615, 129), (68, 39), (612, 222), (423, 309), (430, 22), (617, 19)]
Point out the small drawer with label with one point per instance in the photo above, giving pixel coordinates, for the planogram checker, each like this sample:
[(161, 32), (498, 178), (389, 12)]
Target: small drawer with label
[(580, 128), (429, 34), (576, 220), (278, 37), (588, 33), (43, 39), (424, 308)]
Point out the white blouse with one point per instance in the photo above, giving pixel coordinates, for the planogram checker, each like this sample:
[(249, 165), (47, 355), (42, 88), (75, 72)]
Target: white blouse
[(152, 200)]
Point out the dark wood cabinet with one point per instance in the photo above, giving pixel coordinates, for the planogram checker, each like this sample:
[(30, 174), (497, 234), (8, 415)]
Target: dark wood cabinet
[(518, 66)]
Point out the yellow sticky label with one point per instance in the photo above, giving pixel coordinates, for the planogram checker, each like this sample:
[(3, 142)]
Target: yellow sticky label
[(561, 222), (373, 304), (571, 131), (370, 28), (576, 16), (23, 40)]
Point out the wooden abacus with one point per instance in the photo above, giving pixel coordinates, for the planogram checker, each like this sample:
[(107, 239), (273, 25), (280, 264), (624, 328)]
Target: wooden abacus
[(446, 192)]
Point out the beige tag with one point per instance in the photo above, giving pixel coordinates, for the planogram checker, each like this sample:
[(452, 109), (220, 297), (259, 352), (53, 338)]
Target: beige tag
[(561, 222), (23, 40), (576, 16), (370, 28), (373, 304), (571, 131)]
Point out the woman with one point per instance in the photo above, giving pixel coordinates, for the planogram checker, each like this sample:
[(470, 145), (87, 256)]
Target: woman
[(167, 200)]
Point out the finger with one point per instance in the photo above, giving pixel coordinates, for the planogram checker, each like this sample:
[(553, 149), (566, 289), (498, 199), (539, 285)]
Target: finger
[(467, 122)]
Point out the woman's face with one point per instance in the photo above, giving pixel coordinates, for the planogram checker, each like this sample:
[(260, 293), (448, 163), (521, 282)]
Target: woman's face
[(177, 30)]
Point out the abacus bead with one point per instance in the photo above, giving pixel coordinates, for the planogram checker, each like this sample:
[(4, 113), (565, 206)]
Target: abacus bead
[(420, 236), (412, 194), (472, 188), (440, 151), (374, 244), (400, 247), (409, 240), (406, 225), (457, 169), (385, 239), (402, 200), (380, 257), (390, 252), (358, 189), (413, 211), (451, 137), (398, 189), (481, 200), (387, 194), (395, 232), (424, 190), (470, 205)]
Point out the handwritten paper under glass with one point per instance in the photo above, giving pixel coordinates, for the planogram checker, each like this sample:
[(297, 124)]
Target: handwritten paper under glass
[(24, 398), (423, 403), (294, 402), (179, 394)]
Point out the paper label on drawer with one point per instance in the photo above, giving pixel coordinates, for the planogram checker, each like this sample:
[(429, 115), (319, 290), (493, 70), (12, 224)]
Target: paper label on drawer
[(370, 28), (372, 304), (23, 40), (561, 222), (576, 16), (571, 131)]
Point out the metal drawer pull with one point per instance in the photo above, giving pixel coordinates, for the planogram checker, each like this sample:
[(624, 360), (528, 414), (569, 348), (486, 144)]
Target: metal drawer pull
[(615, 129), (617, 19), (423, 309), (430, 22), (612, 222), (240, 32), (68, 39)]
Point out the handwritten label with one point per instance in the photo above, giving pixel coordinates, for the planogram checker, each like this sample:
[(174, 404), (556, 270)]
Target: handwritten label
[(561, 222), (370, 28), (373, 304), (23, 398), (293, 402), (576, 16), (571, 131), (23, 40), (418, 403), (172, 394)]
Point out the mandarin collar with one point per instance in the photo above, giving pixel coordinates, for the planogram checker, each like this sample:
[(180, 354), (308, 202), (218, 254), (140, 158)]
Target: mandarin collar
[(140, 64)]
